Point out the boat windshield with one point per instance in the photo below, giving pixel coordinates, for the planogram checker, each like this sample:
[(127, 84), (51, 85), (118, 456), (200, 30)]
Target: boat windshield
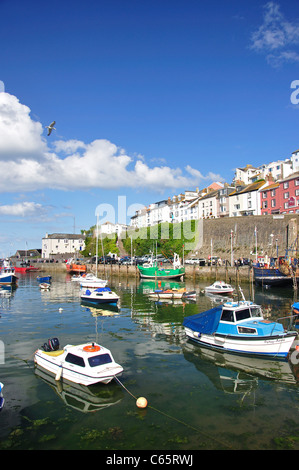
[(256, 311), (99, 360)]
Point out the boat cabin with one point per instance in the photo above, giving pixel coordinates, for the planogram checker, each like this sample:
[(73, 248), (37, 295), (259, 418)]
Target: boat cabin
[(245, 318), (87, 360)]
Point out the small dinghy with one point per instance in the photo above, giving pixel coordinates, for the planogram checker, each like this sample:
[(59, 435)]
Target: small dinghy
[(1, 396), (172, 294), (41, 279), (85, 364), (45, 285), (101, 295), (219, 287)]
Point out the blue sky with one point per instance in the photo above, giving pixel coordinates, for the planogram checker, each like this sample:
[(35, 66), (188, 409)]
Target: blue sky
[(149, 97)]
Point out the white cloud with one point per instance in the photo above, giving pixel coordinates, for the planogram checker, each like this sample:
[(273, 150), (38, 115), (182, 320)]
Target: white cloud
[(276, 36), (23, 209), (27, 163), (69, 146), (20, 136)]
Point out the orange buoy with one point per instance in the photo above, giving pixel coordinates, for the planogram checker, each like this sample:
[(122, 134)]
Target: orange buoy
[(91, 348), (141, 402)]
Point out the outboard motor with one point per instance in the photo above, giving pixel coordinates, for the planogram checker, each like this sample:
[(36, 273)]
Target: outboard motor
[(51, 345)]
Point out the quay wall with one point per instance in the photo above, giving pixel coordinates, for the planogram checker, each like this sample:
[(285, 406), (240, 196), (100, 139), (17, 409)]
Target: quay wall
[(195, 273), (273, 234), (284, 230)]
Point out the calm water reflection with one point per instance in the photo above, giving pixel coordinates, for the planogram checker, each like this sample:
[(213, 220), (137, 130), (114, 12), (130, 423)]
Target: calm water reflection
[(198, 399)]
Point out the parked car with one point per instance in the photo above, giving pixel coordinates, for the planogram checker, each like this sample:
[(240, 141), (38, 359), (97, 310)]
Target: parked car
[(198, 261), (125, 260), (213, 260)]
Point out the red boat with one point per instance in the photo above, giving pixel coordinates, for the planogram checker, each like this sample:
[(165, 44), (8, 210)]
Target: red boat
[(72, 267), (25, 268)]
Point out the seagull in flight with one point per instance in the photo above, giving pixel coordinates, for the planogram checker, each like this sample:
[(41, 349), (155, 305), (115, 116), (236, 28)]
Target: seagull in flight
[(51, 127)]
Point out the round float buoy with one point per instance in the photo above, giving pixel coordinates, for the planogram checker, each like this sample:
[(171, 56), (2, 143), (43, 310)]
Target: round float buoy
[(91, 348), (141, 402)]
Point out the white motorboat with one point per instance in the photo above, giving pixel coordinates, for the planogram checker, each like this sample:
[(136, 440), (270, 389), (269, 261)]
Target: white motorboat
[(90, 280), (239, 327), (219, 287), (85, 364), (101, 295)]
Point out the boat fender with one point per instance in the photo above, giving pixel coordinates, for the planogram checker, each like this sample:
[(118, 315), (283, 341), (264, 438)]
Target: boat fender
[(91, 348)]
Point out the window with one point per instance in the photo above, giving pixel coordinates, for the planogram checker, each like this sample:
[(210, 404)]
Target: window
[(273, 192), (273, 203), (227, 315), (286, 195), (264, 194), (243, 314), (99, 360), (286, 185), (297, 182), (73, 359), (247, 331), (265, 204)]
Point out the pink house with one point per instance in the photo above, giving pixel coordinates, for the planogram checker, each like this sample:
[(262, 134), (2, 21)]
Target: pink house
[(281, 197), (289, 194)]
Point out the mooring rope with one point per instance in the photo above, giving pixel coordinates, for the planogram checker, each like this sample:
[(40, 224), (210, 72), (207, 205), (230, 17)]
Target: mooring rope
[(206, 435)]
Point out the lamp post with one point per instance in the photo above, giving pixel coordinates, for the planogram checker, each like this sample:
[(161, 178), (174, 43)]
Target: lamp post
[(231, 248), (271, 243), (255, 234)]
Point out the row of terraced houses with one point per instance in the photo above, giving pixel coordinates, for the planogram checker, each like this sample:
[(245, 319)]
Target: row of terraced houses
[(267, 189)]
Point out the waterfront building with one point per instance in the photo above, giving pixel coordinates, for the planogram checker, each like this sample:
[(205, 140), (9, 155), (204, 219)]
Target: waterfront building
[(108, 228), (281, 197), (245, 200), (66, 244), (246, 175)]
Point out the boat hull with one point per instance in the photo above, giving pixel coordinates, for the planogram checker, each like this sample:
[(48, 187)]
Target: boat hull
[(155, 273), (25, 269), (44, 279), (156, 295), (91, 301), (219, 291), (8, 279), (276, 346), (271, 277), (76, 268)]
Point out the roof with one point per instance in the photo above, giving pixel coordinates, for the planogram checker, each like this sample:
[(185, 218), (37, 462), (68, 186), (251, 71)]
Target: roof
[(69, 236), (290, 177), (249, 188), (210, 194), (271, 186)]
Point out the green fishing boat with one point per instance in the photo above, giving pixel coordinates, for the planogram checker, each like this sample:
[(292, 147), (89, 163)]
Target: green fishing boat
[(155, 270)]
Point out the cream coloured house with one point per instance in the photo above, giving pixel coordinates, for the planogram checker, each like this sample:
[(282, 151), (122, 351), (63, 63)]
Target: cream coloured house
[(62, 244)]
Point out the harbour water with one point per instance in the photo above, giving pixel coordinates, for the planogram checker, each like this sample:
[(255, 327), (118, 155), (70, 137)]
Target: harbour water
[(197, 399)]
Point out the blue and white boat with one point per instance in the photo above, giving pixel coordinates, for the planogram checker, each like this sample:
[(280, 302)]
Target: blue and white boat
[(1, 396), (7, 274), (101, 295), (239, 327)]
